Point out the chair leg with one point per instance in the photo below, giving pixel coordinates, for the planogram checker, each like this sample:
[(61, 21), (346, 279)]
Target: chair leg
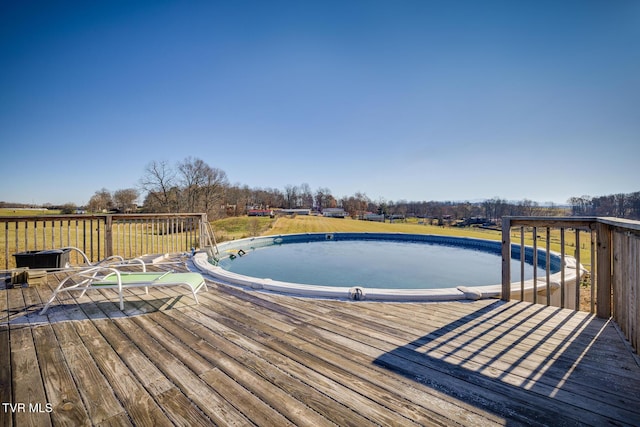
[(86, 288), (53, 296), (46, 306)]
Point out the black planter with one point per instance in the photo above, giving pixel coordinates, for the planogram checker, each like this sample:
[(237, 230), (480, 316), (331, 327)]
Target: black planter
[(49, 259)]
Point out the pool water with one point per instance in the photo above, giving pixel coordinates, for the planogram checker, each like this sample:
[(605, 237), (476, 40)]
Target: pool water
[(374, 264)]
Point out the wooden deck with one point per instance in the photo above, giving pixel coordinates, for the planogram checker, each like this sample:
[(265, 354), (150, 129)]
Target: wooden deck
[(251, 358)]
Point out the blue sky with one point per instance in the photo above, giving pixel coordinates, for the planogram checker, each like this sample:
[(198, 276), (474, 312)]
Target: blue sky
[(401, 100)]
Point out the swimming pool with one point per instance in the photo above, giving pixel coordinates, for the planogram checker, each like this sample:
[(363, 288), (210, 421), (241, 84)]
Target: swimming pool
[(378, 266), (384, 264)]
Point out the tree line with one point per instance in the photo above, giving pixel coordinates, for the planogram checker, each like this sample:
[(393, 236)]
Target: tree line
[(619, 205), (191, 185)]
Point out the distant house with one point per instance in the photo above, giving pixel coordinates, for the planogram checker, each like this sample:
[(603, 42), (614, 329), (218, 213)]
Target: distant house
[(475, 220), (295, 211), (260, 212), (373, 217), (334, 212)]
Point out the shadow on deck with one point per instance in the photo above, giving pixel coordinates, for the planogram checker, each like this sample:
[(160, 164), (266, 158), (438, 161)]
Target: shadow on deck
[(528, 364)]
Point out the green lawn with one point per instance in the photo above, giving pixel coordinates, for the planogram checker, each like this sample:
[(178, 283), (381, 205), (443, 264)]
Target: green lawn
[(317, 224), (240, 227), (27, 212)]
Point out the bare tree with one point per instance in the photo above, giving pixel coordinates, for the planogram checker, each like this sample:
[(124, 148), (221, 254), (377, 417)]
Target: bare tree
[(215, 185), (356, 205), (291, 196), (203, 187), (306, 196), (192, 179), (270, 198), (324, 199), (125, 200), (101, 201), (159, 183)]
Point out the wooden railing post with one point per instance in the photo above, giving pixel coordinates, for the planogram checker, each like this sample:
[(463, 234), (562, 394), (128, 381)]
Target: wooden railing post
[(506, 259), (108, 235), (603, 270)]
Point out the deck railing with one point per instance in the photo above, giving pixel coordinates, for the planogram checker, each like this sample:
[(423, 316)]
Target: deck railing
[(609, 248), (100, 236)]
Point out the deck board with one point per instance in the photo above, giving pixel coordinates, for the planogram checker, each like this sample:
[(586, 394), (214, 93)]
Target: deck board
[(97, 394), (189, 382), (137, 402), (244, 357), (223, 347), (59, 384)]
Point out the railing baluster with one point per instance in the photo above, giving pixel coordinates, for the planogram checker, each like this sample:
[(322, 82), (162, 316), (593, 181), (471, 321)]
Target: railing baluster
[(506, 258), (535, 265), (163, 235), (99, 237), (592, 282), (137, 241), (6, 245), (17, 237), (548, 266), (174, 227), (563, 265), (153, 235), (170, 243), (522, 263), (117, 236), (577, 257)]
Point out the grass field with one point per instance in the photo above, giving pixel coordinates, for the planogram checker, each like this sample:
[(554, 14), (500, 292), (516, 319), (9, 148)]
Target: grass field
[(241, 227), (27, 212), (317, 224)]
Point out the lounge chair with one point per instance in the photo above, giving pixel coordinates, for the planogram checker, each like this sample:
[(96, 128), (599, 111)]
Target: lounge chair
[(111, 278), (113, 260)]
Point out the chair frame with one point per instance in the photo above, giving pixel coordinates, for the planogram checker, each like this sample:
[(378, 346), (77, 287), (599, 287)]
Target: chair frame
[(99, 277), (113, 260)]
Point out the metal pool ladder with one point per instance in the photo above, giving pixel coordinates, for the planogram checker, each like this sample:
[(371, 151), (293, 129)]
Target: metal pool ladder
[(209, 241)]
